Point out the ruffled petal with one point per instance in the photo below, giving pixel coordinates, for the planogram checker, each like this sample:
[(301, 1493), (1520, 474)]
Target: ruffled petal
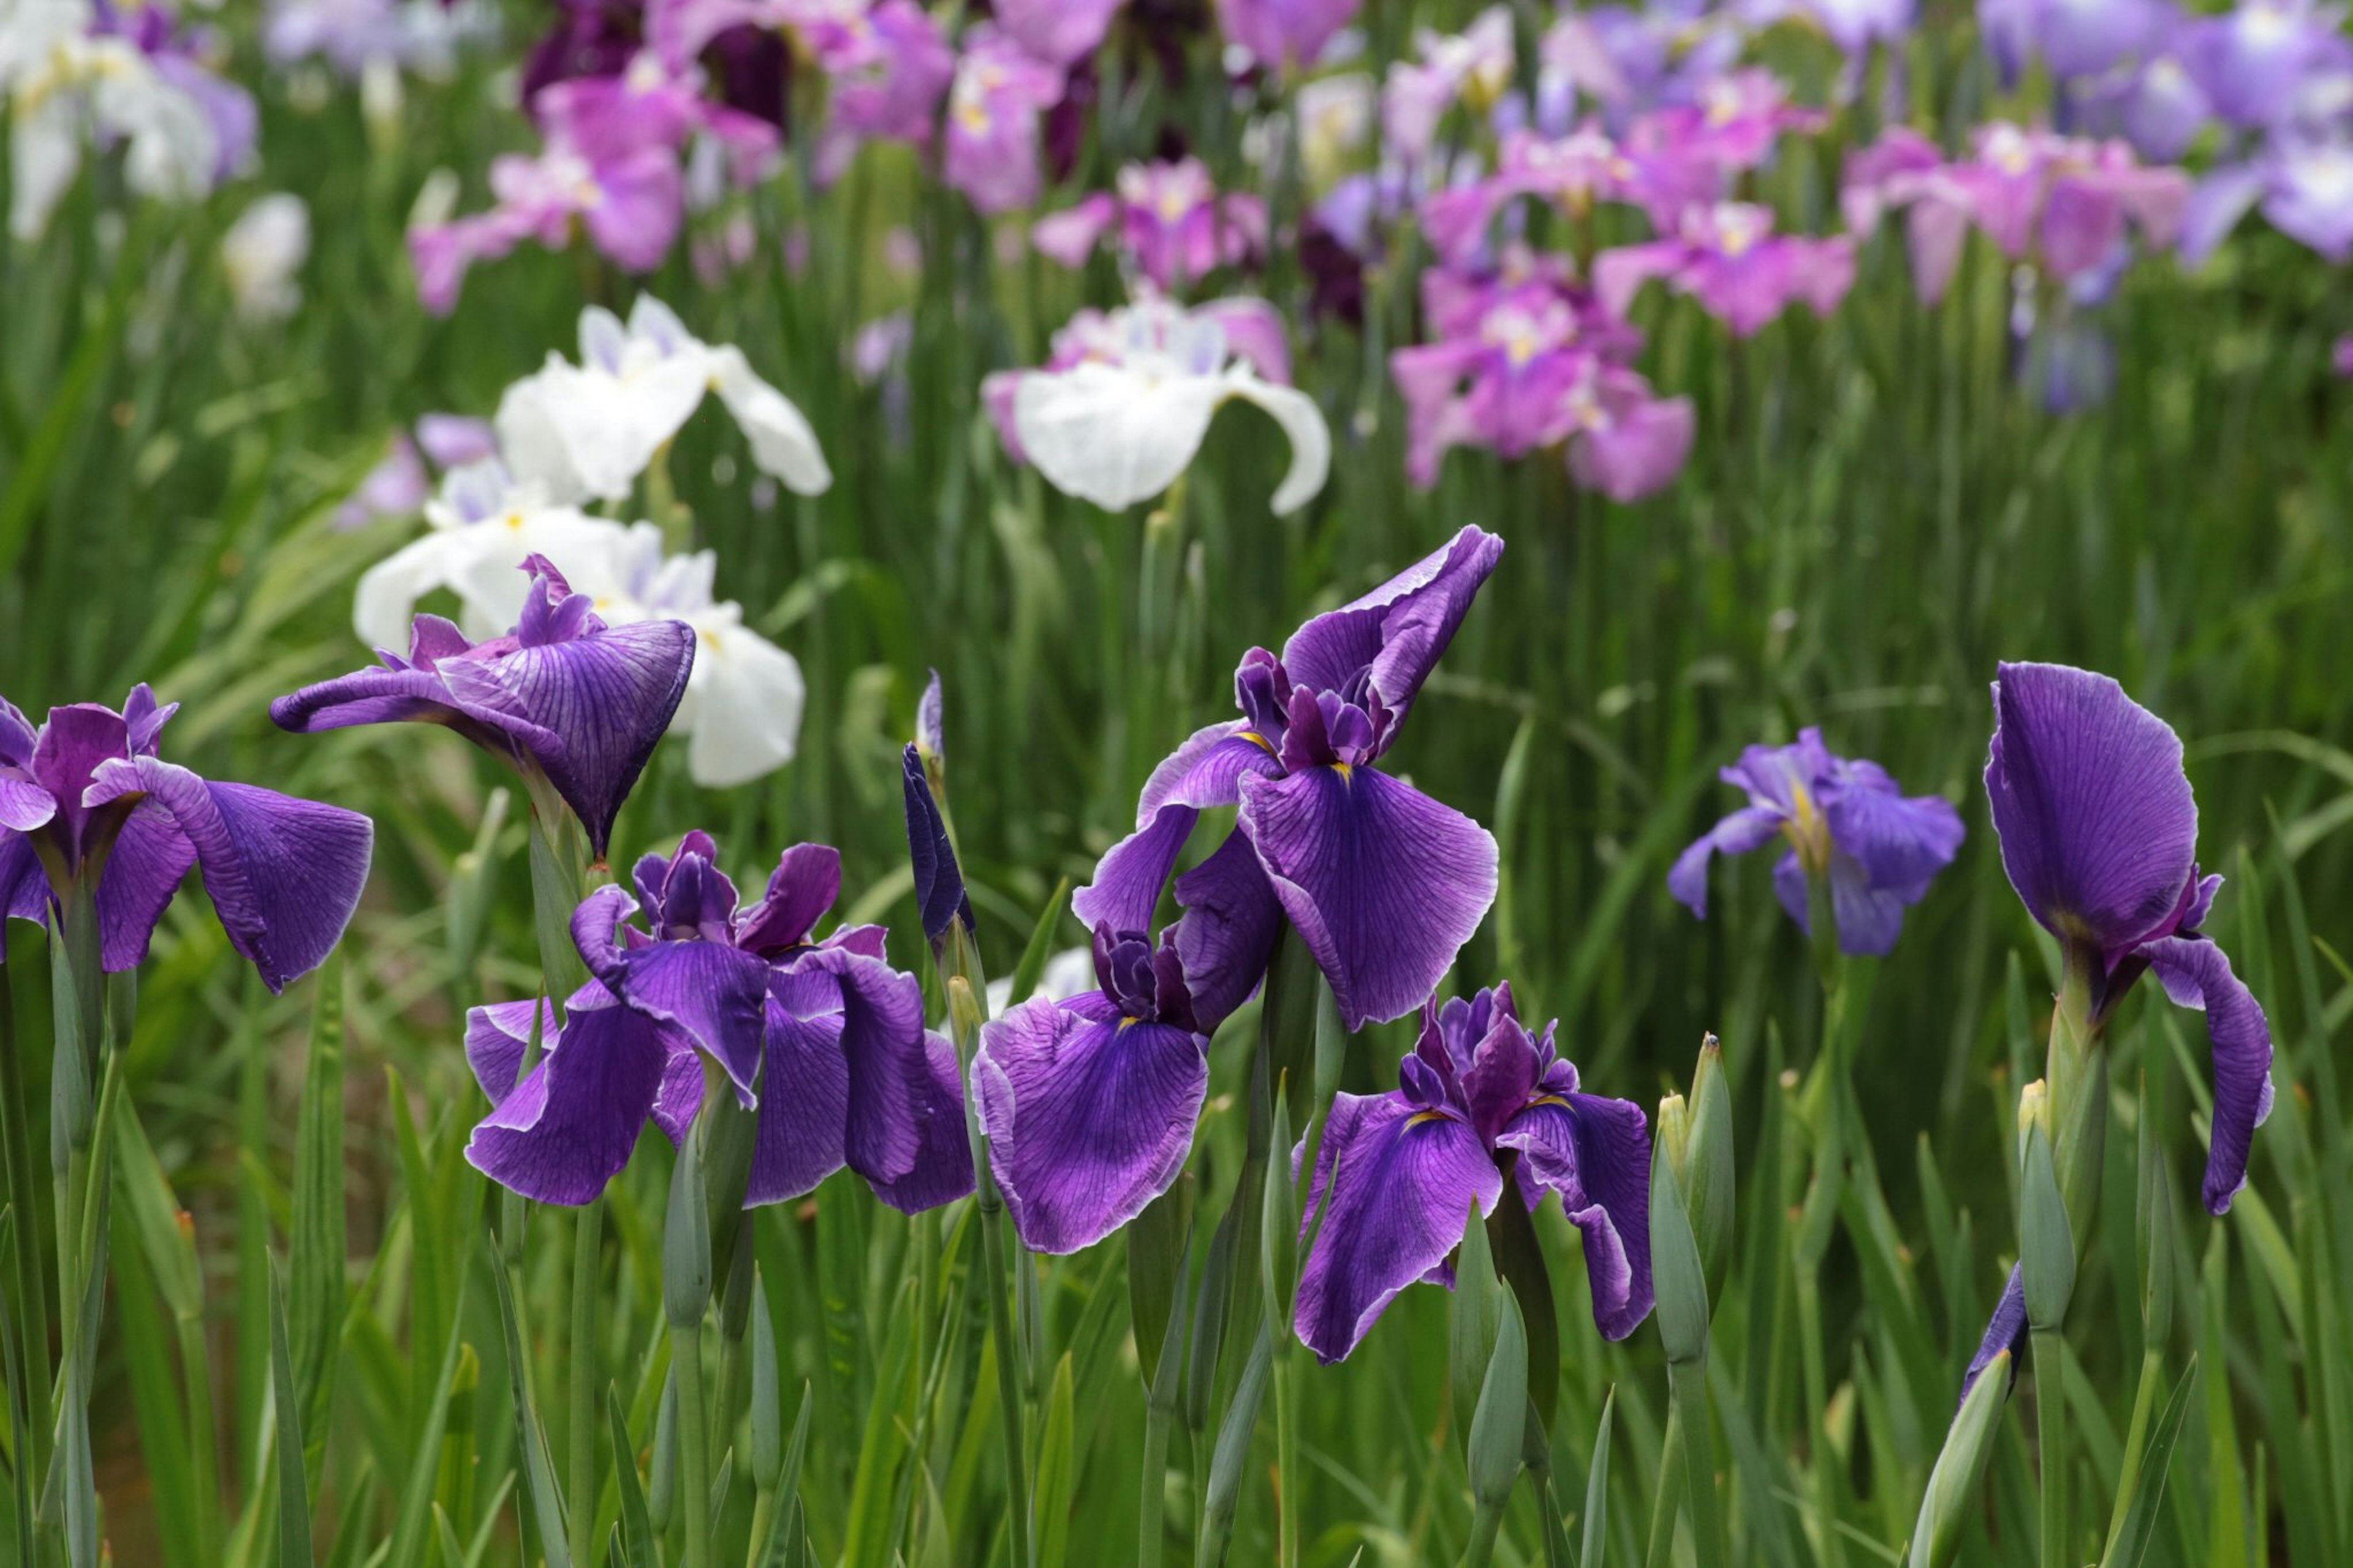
[(943, 1169), (2196, 973), (570, 1127), (284, 874), (1750, 827), (884, 1047), (1396, 634), (715, 994), (1088, 1119), (498, 1035), (1596, 1153), (1384, 884), (1402, 1194), (2098, 827)]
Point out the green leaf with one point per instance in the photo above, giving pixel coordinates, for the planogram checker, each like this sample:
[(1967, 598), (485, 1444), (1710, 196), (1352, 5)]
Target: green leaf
[(317, 1297), (1596, 1529), (1499, 1426), (1040, 946), (635, 1528), (1159, 1242), (2140, 1520), (540, 1493), (293, 1487), (1057, 1470)]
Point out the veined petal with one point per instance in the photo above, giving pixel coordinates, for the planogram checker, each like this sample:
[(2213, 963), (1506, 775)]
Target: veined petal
[(782, 444), (284, 874), (2196, 973), (496, 1037), (882, 1044), (1397, 633), (1303, 422), (570, 1127), (1111, 436), (1750, 827), (1384, 884), (24, 805), (715, 993), (805, 1103), (2098, 827), (1596, 1153), (1402, 1184), (1227, 934), (151, 856), (743, 705), (1088, 1119), (943, 1169), (24, 885)]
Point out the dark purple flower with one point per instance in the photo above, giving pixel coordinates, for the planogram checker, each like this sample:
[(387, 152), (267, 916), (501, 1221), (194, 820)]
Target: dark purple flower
[(2099, 835), (85, 796), (939, 881), (823, 1037), (1383, 884), (1090, 1104), (1846, 820), (2006, 1331), (566, 699), (1478, 1098)]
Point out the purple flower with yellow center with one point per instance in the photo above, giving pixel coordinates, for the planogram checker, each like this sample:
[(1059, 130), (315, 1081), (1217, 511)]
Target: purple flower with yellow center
[(1728, 259), (1283, 35), (2099, 836), (88, 806), (1383, 884), (1846, 821), (1090, 1104), (821, 1035), (994, 112), (2065, 199), (1480, 1106), (1732, 124), (575, 705), (1574, 173), (1169, 219)]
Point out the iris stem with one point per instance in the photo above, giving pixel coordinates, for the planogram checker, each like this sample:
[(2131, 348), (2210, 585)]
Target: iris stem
[(693, 1443), (580, 1519), (2051, 1441), (1009, 1370), (78, 981), (29, 1290), (1687, 1381), (1487, 1524), (1286, 1444)]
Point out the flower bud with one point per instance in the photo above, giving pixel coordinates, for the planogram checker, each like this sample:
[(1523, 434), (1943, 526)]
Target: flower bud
[(1677, 1280), (2046, 1252), (1706, 1175), (1961, 1468)]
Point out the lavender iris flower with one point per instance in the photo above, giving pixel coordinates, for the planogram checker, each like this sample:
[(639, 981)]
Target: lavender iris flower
[(572, 703), (1846, 820), (86, 798), (1728, 259), (1283, 35), (2099, 835), (831, 1032), (1090, 1104), (1480, 1104), (1382, 883)]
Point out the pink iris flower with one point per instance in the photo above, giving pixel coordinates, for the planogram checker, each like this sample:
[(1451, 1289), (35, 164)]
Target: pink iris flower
[(1728, 259)]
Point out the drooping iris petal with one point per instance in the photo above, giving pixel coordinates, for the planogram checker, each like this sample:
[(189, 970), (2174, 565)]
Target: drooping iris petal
[(1089, 1115), (1396, 634), (882, 1046), (24, 885), (2098, 827), (1228, 931), (498, 1035), (943, 1169), (2005, 1331), (1405, 1183), (24, 805), (1383, 883), (807, 880), (606, 699), (2196, 974), (1205, 772), (1901, 844), (711, 991), (1750, 827), (1596, 1153), (1870, 918), (1110, 434), (569, 1129), (806, 1098), (151, 856), (284, 874)]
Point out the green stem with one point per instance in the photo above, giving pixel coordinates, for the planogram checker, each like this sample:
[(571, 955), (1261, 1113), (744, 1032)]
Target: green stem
[(77, 980), (2152, 1362), (1286, 1448), (1009, 1373), (1486, 1523), (2051, 1440), (1821, 1460), (693, 1444), (29, 1288), (1152, 1503), (1662, 1545), (580, 1454), (1687, 1381)]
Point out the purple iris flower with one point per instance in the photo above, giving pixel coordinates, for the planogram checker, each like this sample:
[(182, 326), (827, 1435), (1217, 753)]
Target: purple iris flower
[(1846, 820), (1383, 884), (996, 109), (564, 697), (2252, 62), (1526, 359), (1283, 35), (1574, 173), (2099, 835), (2071, 195), (1168, 218), (86, 797), (1090, 1104), (1728, 259), (1059, 33), (823, 1037), (1480, 1103), (2305, 189)]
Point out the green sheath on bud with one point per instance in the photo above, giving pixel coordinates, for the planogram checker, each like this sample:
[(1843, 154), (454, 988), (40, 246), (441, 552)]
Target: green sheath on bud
[(1676, 1278), (1475, 1320), (686, 1245), (2046, 1241), (1961, 1468), (1707, 1173), (1500, 1425)]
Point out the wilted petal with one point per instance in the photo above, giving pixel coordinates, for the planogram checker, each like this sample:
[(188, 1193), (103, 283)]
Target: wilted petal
[(713, 992), (143, 870), (1596, 1153), (284, 874), (1405, 1183), (570, 1127), (2098, 828), (1750, 827), (1397, 633), (1089, 1118), (2196, 973), (1384, 884)]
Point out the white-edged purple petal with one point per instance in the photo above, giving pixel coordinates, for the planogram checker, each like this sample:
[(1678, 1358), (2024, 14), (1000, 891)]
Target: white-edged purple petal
[(498, 1034), (284, 874), (2196, 974), (1401, 1184), (1383, 883), (1596, 1153), (2098, 825), (1750, 827), (1089, 1118), (1395, 635), (570, 1127)]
